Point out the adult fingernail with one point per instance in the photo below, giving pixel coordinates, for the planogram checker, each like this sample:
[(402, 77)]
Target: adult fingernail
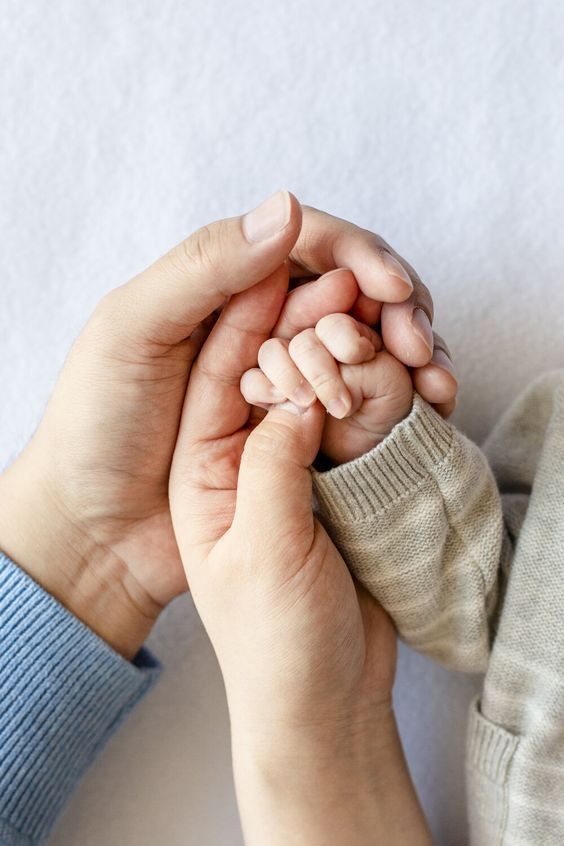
[(441, 359), (268, 218), (337, 408), (396, 269), (304, 395), (422, 327)]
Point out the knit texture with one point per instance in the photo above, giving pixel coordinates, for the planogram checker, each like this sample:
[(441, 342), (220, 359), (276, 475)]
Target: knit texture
[(466, 549), (63, 693), (418, 520), (523, 693)]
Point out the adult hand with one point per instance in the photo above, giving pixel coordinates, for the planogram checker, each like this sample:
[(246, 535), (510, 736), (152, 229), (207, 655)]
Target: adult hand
[(85, 507), (307, 656), (328, 246)]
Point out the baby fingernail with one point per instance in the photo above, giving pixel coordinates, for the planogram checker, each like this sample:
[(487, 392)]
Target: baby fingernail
[(441, 359), (422, 328), (304, 395), (275, 395), (337, 408), (396, 269), (268, 218), (291, 407)]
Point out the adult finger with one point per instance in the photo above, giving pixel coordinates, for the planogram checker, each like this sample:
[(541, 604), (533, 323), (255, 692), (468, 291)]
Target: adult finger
[(335, 291), (445, 409), (366, 310), (274, 483), (163, 304), (326, 242), (406, 327), (214, 407), (214, 423), (436, 381)]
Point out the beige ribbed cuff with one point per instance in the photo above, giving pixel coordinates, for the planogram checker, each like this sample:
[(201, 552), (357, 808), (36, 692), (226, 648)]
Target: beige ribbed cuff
[(489, 747), (389, 472)]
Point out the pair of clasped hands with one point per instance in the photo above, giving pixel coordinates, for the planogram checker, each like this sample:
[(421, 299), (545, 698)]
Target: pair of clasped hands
[(151, 468)]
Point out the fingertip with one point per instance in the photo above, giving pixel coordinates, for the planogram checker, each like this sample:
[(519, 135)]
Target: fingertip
[(304, 395), (395, 268), (445, 409), (387, 280), (274, 218), (385, 288), (435, 384), (291, 408), (296, 211), (366, 350), (407, 334), (340, 406), (258, 390), (421, 326), (442, 360)]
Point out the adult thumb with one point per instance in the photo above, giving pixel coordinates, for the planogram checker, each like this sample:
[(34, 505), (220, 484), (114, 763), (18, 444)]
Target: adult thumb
[(168, 300), (274, 484)]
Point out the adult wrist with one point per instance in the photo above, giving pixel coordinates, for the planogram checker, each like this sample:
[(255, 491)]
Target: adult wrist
[(53, 548), (313, 787)]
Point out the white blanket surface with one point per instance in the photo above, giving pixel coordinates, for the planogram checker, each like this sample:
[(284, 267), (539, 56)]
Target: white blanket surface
[(125, 125)]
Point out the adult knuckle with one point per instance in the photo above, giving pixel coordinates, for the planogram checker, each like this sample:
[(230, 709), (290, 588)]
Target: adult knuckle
[(108, 312), (200, 252), (268, 441)]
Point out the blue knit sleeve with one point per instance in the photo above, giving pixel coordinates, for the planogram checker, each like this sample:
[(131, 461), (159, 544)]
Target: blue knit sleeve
[(63, 693)]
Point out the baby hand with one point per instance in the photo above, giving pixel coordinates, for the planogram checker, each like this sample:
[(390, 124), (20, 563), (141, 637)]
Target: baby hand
[(365, 389)]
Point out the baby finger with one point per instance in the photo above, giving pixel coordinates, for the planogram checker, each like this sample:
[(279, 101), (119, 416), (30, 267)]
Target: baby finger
[(321, 371), (277, 365), (258, 390), (349, 341)]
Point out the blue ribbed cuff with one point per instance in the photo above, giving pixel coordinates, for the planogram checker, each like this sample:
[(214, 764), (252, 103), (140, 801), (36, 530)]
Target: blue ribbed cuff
[(63, 693)]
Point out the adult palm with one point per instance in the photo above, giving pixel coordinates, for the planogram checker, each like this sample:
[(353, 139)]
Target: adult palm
[(273, 591), (95, 475)]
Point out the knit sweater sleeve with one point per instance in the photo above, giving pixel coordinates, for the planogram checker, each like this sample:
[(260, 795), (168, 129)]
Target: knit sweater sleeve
[(515, 750), (419, 522), (63, 693)]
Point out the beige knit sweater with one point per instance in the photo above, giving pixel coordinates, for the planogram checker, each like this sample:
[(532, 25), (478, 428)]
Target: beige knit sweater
[(465, 550)]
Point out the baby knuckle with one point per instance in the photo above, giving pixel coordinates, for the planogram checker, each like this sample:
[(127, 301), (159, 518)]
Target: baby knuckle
[(303, 343), (272, 346), (332, 323), (322, 380)]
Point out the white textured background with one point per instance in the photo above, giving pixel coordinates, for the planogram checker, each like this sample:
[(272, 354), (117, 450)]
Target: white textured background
[(125, 125)]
